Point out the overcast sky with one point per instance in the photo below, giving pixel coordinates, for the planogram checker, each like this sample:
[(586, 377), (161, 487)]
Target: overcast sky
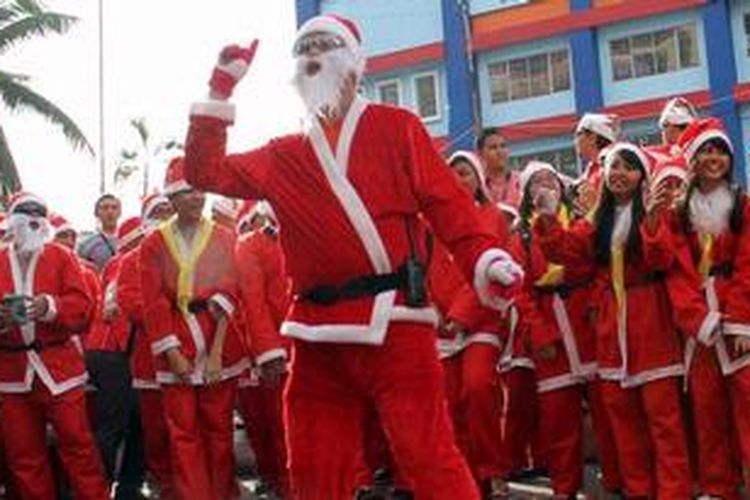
[(158, 56)]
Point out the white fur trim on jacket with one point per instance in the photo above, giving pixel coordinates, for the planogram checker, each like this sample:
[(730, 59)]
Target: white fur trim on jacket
[(482, 282), (165, 344), (742, 329), (222, 110), (223, 301), (709, 330), (271, 354)]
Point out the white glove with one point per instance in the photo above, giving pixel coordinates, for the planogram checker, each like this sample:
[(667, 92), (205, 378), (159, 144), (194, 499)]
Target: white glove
[(547, 201), (505, 272), (110, 308)]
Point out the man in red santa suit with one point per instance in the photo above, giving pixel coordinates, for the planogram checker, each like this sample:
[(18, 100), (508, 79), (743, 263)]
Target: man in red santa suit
[(593, 134), (45, 302), (349, 194), (155, 209), (677, 114), (190, 297)]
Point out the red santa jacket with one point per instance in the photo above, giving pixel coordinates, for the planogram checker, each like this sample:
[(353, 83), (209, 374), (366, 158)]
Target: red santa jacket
[(56, 359), (108, 333), (718, 265), (344, 213), (177, 280), (264, 286), (130, 302), (637, 343)]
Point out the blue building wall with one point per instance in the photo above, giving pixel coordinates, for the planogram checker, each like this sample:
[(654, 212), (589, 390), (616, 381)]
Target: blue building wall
[(524, 109), (389, 26), (738, 8), (669, 84)]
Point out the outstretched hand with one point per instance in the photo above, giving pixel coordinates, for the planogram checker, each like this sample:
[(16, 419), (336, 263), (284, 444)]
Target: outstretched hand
[(233, 63)]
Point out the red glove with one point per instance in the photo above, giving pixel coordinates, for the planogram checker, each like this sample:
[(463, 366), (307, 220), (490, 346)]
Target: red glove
[(233, 63)]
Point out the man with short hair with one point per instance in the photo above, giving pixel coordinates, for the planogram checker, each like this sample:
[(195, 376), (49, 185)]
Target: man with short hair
[(502, 182), (102, 245)]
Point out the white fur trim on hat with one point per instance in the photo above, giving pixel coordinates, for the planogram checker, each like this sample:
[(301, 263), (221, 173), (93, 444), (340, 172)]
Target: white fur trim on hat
[(177, 187), (152, 204), (677, 111), (129, 237), (625, 146), (702, 139), (669, 171), (330, 24), (531, 168), (606, 126), (476, 165)]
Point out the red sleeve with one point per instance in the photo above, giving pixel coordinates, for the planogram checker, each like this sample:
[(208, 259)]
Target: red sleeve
[(737, 306), (157, 306), (658, 246), (129, 298), (569, 247), (225, 290), (73, 303)]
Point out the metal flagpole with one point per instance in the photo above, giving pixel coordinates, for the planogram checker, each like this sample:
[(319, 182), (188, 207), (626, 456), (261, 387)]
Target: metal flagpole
[(102, 162)]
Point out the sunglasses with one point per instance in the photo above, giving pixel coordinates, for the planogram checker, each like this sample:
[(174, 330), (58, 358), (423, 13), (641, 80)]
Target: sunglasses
[(321, 42), (31, 209)]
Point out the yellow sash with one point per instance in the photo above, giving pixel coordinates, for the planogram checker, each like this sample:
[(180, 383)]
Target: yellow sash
[(707, 250), (186, 263), (554, 275), (618, 275)]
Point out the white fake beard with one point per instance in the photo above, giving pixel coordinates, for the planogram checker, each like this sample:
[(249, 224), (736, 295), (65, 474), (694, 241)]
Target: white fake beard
[(322, 91), (710, 213), (27, 240)]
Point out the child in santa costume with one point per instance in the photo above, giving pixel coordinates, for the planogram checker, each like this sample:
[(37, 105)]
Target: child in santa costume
[(45, 302), (711, 225), (264, 287), (190, 298), (638, 350), (594, 133), (155, 209), (347, 194)]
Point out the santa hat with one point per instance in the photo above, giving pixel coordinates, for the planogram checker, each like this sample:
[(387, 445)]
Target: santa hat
[(673, 166), (607, 126), (21, 197), (150, 202), (698, 133), (677, 111), (174, 181), (59, 224), (476, 165), (531, 168), (340, 26), (129, 231), (647, 161), (228, 207)]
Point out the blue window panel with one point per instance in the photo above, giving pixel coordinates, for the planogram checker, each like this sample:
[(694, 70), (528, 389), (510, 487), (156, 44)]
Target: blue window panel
[(391, 25), (664, 85), (532, 108), (743, 150)]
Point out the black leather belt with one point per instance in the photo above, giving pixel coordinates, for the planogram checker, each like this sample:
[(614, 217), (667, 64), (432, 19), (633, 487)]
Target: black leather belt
[(197, 305), (722, 270), (361, 286), (36, 345)]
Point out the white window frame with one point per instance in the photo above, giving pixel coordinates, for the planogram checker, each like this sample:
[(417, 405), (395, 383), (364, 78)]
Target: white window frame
[(527, 58), (436, 78), (384, 83)]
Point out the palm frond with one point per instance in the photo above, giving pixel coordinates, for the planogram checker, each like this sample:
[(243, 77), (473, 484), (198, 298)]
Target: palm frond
[(9, 180), (6, 13), (17, 97), (128, 155), (42, 23)]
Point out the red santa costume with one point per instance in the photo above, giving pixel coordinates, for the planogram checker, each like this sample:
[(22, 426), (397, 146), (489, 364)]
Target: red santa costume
[(130, 302), (264, 287), (41, 369), (678, 112), (356, 341), (711, 231), (638, 351), (181, 282), (606, 127)]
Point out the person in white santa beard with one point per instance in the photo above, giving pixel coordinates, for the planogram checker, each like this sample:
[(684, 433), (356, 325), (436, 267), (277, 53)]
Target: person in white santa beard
[(29, 228), (352, 193)]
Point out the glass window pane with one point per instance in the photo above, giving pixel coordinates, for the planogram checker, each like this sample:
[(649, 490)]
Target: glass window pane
[(644, 64), (666, 51), (746, 19), (539, 74), (619, 51), (644, 42), (426, 91), (519, 79), (560, 71), (687, 39), (499, 82), (388, 93)]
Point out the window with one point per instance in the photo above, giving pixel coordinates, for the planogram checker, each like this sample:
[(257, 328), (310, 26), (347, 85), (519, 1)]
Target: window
[(537, 75), (654, 53), (389, 92), (564, 159), (746, 20), (426, 96)]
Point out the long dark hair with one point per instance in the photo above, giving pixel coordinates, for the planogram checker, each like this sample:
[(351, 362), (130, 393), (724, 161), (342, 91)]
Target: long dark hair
[(604, 217), (526, 209)]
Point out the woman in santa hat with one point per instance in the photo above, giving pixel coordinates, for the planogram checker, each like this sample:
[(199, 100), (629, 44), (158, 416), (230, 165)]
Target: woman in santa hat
[(638, 352), (711, 223)]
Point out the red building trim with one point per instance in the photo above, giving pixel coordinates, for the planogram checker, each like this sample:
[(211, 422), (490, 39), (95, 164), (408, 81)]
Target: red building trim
[(631, 9), (565, 124), (742, 92), (404, 58)]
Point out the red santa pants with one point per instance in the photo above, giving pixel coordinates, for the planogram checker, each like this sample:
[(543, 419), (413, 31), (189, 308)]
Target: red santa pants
[(650, 437), (605, 442), (25, 418), (156, 441), (740, 382), (519, 421), (199, 420), (260, 407), (326, 401), (472, 388)]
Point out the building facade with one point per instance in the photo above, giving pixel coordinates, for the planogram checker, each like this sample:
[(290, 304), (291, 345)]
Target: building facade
[(533, 67)]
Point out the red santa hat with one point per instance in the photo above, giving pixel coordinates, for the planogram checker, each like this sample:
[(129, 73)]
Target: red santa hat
[(340, 26), (531, 168), (607, 126), (174, 181), (59, 224), (21, 197), (677, 111), (698, 133), (150, 202), (476, 165), (128, 232), (671, 166), (647, 161), (228, 207)]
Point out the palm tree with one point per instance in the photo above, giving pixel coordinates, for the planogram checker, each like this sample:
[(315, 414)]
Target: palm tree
[(19, 21)]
